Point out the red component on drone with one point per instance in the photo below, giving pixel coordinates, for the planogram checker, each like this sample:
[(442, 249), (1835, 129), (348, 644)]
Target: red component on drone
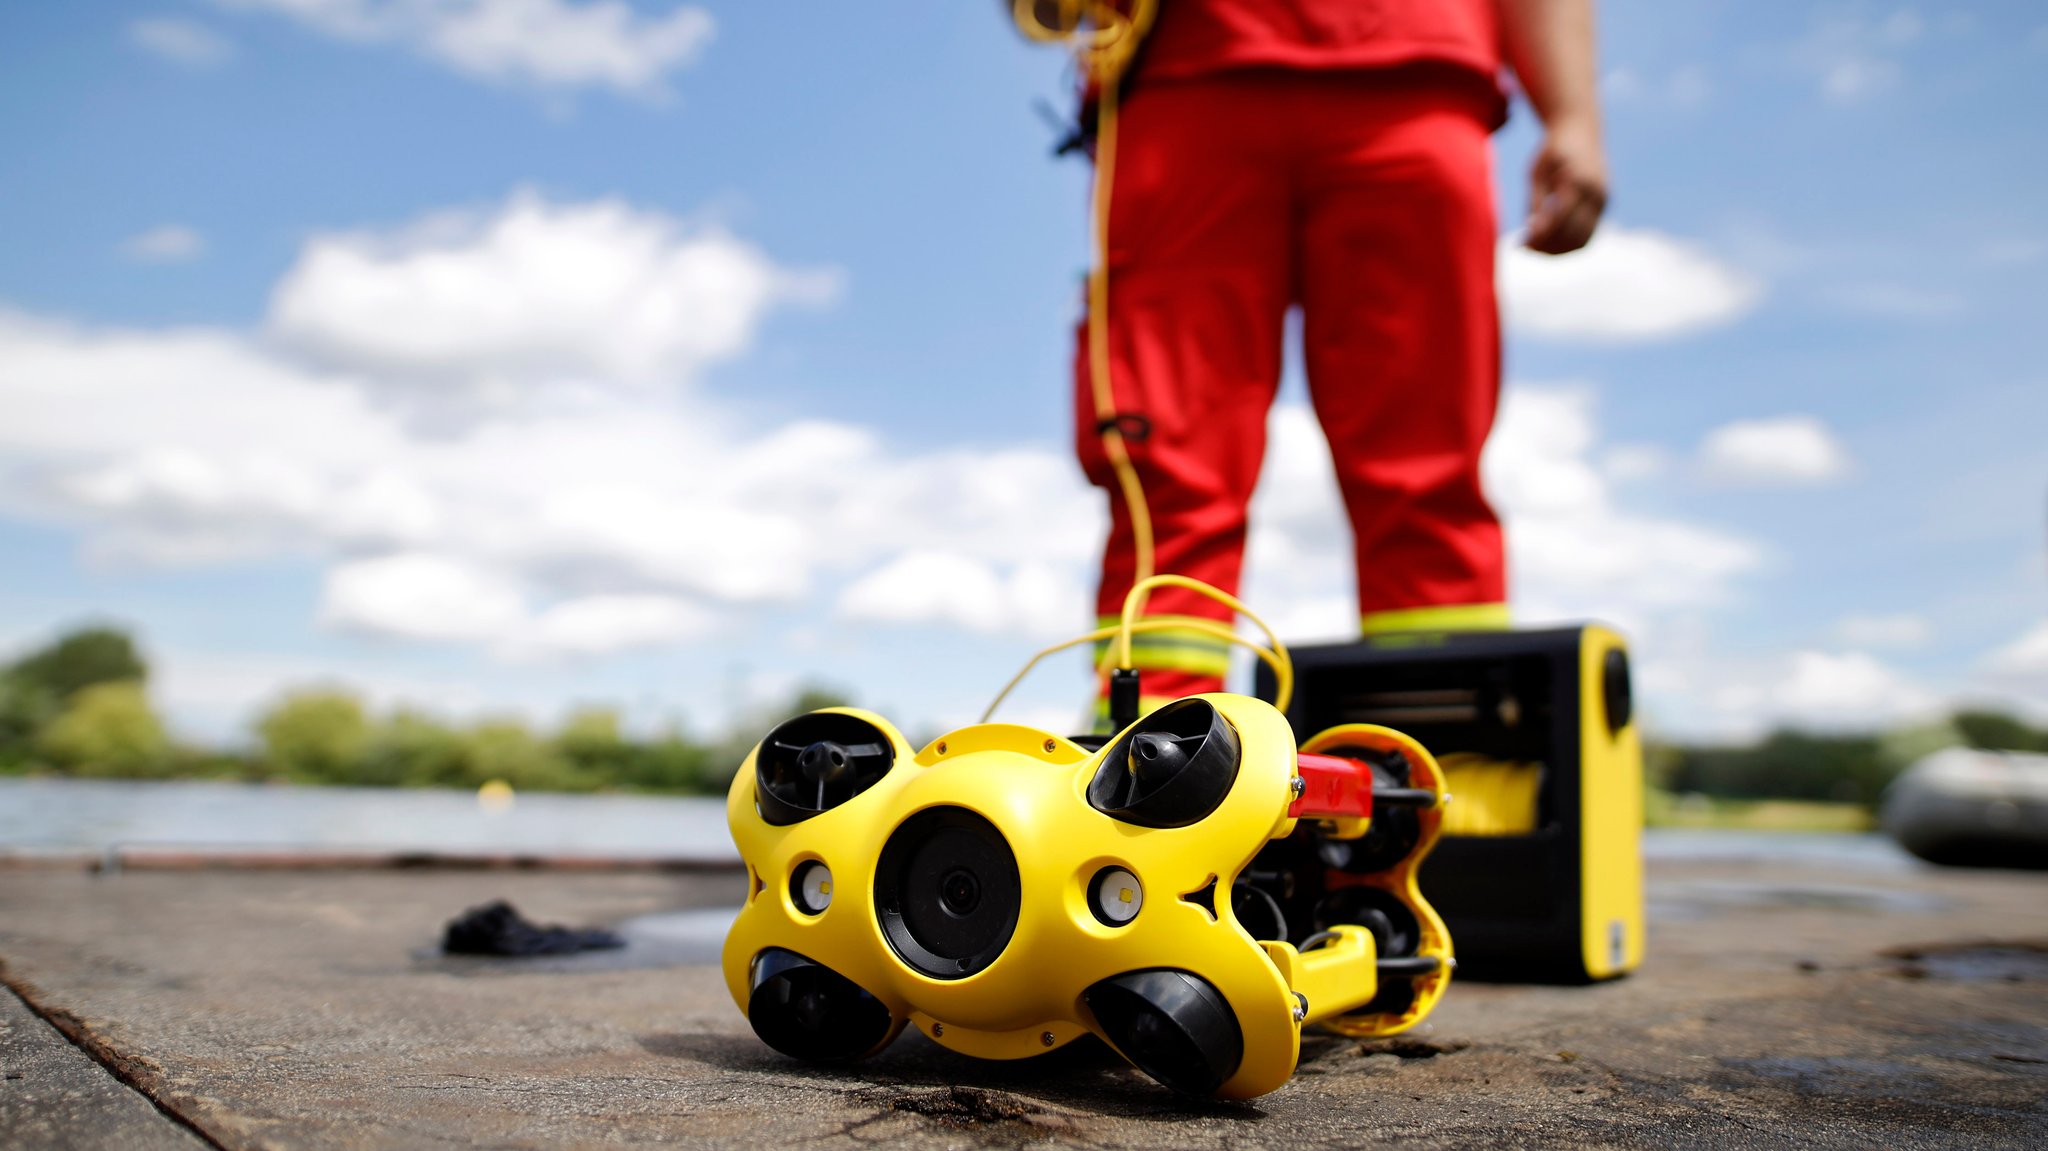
[(1332, 788)]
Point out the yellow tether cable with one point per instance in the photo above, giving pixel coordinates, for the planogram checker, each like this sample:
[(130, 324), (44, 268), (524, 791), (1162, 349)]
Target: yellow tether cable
[(1283, 669), (1134, 604), (1104, 41)]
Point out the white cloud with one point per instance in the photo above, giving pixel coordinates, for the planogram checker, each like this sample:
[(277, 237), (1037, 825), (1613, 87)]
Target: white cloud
[(1851, 78), (465, 314), (197, 447), (2026, 656), (419, 596), (1628, 463), (1896, 301), (1574, 551), (423, 597), (1038, 600), (592, 513), (169, 244), (1850, 686), (1853, 59), (1901, 631), (1686, 87), (1841, 690), (1629, 284), (560, 44), (601, 625), (1779, 450), (182, 42)]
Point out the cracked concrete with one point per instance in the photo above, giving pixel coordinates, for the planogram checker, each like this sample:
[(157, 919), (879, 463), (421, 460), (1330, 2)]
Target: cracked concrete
[(53, 1095), (285, 1009)]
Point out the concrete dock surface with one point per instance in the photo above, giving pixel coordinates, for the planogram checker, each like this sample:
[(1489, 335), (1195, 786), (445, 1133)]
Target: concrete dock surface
[(1784, 1004)]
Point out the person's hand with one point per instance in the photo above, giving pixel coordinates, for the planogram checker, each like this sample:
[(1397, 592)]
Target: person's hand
[(1567, 189)]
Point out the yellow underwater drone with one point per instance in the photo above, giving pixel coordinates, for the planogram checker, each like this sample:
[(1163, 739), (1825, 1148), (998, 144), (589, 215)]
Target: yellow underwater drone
[(1194, 890)]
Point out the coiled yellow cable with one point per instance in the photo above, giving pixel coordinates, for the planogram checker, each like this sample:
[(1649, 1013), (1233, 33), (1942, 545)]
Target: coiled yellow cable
[(1495, 797)]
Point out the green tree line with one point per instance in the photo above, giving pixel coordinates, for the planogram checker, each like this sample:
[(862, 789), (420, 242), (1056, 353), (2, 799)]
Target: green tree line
[(80, 706), (1843, 768)]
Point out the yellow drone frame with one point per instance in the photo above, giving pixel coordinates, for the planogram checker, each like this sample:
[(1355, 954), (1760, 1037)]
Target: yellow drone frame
[(1006, 890)]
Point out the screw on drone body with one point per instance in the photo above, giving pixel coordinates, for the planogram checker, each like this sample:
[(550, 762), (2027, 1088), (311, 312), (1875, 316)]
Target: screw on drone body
[(941, 749), (938, 1029), (1048, 1038), (1300, 1007), (1051, 745), (1297, 786)]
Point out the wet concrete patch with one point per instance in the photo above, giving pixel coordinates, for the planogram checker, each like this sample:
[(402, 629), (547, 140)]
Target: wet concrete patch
[(1699, 900), (953, 1106), (2010, 961), (1844, 1074), (1920, 1096)]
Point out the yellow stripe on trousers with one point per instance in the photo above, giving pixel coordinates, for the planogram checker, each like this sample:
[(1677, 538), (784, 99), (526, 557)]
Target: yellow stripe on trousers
[(1442, 617)]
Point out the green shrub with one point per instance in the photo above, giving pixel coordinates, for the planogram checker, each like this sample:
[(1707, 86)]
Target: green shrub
[(108, 729), (1997, 731), (673, 762), (506, 749), (591, 742), (81, 659), (319, 735), (1785, 765), (26, 708), (413, 749), (35, 688)]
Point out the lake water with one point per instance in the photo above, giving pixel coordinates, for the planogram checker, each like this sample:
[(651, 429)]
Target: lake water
[(70, 815), (86, 815)]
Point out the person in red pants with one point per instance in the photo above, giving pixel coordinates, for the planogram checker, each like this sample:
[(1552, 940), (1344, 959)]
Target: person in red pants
[(1330, 154)]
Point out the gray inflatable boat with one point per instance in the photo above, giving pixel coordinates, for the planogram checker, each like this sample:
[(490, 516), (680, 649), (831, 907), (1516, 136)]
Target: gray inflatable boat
[(1972, 808)]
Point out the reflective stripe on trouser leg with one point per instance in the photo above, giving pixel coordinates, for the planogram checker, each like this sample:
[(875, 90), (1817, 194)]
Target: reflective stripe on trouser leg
[(1170, 649), (1442, 617)]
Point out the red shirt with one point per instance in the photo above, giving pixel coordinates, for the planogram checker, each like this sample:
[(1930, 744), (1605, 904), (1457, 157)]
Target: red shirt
[(1198, 37)]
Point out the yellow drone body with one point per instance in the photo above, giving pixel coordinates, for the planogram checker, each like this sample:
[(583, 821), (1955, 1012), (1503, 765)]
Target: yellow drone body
[(1006, 891)]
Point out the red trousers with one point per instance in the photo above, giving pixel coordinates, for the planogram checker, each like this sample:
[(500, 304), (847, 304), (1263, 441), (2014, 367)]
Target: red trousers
[(1366, 198)]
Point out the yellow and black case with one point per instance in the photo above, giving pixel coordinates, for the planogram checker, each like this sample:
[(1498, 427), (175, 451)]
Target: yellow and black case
[(1539, 872)]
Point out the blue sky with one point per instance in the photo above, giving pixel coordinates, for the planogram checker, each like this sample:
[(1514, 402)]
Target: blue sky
[(672, 355)]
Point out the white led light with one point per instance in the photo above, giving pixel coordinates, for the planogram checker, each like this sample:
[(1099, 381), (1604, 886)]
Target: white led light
[(1118, 896), (813, 887)]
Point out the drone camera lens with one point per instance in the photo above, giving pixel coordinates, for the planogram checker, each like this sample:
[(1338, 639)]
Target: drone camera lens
[(947, 892), (959, 892)]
